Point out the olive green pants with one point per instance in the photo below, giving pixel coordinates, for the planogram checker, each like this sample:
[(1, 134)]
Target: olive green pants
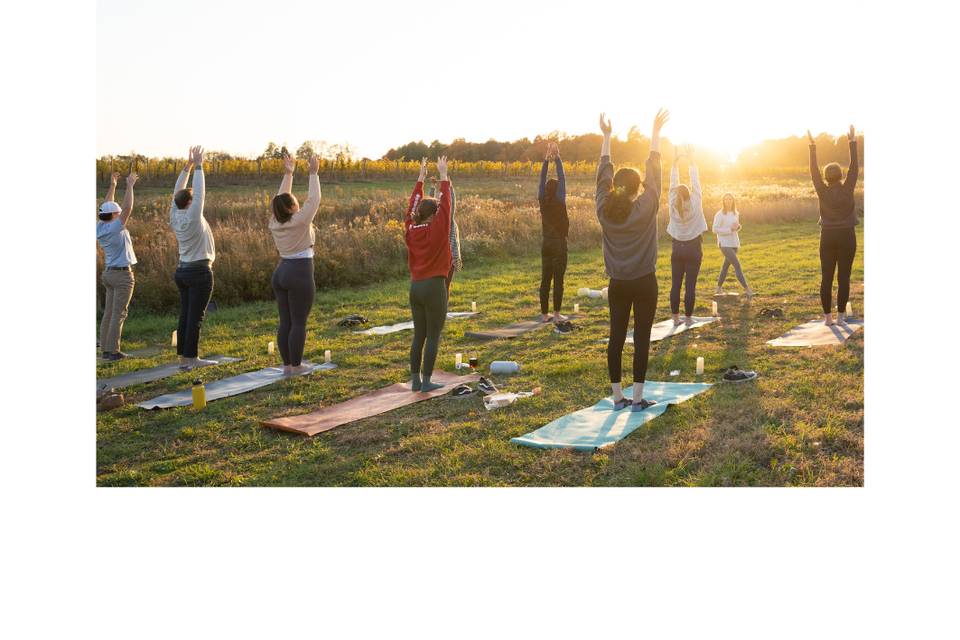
[(119, 287), (428, 302)]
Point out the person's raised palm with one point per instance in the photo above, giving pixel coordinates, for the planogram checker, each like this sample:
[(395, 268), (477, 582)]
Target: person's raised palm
[(314, 164), (605, 127), (289, 164), (661, 119), (132, 179)]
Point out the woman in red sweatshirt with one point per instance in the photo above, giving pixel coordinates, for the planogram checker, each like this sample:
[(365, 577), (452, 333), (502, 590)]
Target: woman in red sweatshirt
[(427, 234)]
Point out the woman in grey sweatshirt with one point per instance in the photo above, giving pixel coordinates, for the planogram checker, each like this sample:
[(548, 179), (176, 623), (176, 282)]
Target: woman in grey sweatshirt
[(628, 220)]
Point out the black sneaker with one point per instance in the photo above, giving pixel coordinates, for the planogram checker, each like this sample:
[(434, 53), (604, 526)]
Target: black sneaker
[(486, 386), (771, 313), (736, 374), (564, 326), (352, 320), (113, 357)]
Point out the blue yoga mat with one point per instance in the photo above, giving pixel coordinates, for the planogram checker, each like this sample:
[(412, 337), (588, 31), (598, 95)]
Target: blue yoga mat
[(599, 425)]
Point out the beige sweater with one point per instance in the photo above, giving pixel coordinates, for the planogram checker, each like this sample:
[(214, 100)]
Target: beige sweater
[(297, 234)]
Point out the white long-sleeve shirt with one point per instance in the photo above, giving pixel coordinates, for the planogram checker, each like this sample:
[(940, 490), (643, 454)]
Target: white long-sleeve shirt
[(295, 237), (194, 238), (723, 224), (694, 224)]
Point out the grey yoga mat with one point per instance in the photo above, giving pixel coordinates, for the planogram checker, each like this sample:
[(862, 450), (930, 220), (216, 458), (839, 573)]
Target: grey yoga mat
[(512, 330), (404, 326), (141, 376), (816, 334), (227, 387), (665, 328)]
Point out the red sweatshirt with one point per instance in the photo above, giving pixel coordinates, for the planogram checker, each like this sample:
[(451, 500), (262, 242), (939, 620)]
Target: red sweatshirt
[(428, 244)]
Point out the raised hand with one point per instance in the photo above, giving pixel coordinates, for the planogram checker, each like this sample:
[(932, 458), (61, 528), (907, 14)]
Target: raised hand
[(314, 164), (688, 152), (423, 169), (605, 127), (132, 179), (114, 177), (556, 150), (661, 119), (289, 164), (442, 167), (810, 137), (853, 134), (198, 155)]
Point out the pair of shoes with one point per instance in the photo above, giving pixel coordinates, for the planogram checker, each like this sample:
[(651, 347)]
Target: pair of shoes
[(352, 320), (486, 386), (113, 357), (736, 374), (564, 326), (770, 313)]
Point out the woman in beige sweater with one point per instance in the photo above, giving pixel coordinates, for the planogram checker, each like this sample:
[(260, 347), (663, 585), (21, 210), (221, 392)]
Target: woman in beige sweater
[(293, 283)]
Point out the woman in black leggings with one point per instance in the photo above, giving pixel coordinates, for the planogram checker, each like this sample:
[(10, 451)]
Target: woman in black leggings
[(293, 285), (628, 220), (552, 197), (838, 220)]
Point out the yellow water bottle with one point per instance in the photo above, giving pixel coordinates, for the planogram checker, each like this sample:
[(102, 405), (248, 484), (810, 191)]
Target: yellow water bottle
[(199, 395)]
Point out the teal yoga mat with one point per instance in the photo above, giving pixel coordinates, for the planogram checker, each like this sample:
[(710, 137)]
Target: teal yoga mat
[(600, 426)]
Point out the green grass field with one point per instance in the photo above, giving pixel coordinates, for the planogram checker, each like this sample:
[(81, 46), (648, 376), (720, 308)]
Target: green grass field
[(800, 423)]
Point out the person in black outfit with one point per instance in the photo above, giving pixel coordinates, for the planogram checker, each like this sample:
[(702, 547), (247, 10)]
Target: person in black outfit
[(552, 197), (838, 220)]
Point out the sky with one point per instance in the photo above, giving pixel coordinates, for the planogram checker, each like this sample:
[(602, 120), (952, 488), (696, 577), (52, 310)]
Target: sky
[(233, 76)]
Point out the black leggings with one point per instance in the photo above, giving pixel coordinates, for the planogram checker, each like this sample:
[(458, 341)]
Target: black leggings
[(641, 295), (685, 260), (837, 249), (553, 256), (195, 282), (428, 302), (294, 287)]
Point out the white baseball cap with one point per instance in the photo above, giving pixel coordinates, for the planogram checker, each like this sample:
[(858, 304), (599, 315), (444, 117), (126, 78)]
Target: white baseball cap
[(110, 207)]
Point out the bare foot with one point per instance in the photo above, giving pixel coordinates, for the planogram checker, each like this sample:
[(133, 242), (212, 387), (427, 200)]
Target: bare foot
[(718, 292), (544, 317), (688, 321), (749, 292), (559, 317), (300, 368), (842, 318), (676, 319), (286, 369), (828, 319)]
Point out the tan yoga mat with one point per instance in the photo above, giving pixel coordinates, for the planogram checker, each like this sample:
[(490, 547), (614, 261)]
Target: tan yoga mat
[(512, 330), (371, 404), (817, 334)]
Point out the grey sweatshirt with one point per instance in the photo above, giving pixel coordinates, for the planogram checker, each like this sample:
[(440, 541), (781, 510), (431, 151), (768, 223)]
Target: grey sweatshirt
[(630, 247)]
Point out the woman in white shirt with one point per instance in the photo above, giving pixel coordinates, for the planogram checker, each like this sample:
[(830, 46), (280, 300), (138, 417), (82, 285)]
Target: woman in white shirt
[(726, 224), (293, 283), (194, 275), (687, 226)]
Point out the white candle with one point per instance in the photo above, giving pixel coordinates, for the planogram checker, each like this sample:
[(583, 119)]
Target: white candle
[(714, 308), (473, 306), (270, 347), (699, 365), (849, 308), (327, 356), (459, 360), (576, 307), (173, 338)]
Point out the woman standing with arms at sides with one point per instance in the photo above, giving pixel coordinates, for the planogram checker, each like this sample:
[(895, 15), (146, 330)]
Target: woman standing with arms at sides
[(292, 281), (686, 227), (455, 250), (118, 261), (726, 224), (427, 236), (552, 197), (838, 220), (194, 275), (628, 220)]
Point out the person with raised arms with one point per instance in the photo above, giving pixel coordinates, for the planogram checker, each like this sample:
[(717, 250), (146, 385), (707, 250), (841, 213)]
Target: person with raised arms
[(628, 221), (686, 227), (456, 251), (552, 198), (726, 226), (118, 260), (293, 280), (427, 236), (838, 221), (194, 274)]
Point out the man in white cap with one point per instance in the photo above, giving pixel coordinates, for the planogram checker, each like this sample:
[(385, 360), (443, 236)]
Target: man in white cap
[(118, 258)]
